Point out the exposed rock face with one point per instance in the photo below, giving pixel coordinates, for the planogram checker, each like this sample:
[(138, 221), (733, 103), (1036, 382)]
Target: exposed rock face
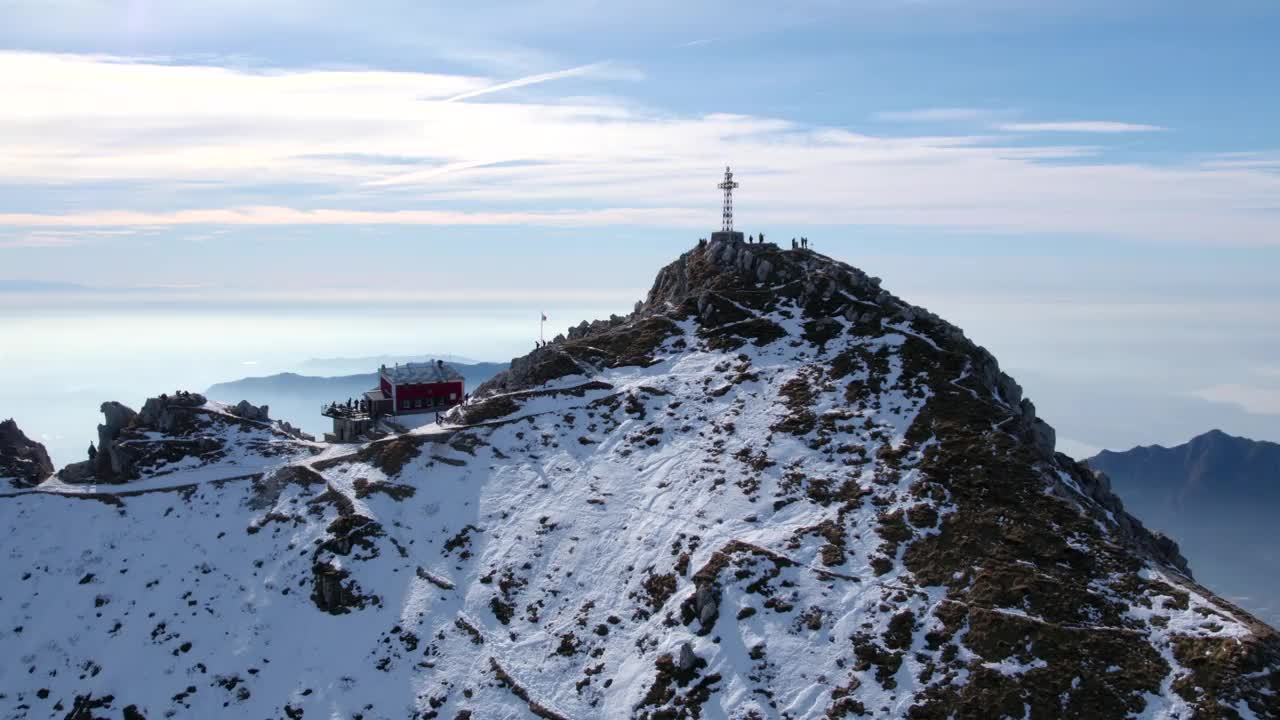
[(175, 413), (332, 592), (249, 411), (291, 431), (23, 461), (194, 433), (112, 459), (261, 413), (1097, 486), (687, 662), (706, 606)]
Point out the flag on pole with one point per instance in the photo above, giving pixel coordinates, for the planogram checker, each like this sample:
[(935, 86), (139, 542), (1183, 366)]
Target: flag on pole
[(544, 317)]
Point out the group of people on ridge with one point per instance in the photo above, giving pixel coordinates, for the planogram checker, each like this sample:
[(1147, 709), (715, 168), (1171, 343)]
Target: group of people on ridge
[(796, 244)]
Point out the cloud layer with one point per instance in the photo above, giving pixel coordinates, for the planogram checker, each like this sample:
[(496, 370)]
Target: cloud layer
[(1079, 126), (1254, 400), (204, 144)]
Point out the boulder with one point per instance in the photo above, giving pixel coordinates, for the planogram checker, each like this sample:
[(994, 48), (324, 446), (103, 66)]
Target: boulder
[(1044, 437), (686, 659), (1010, 390), (23, 461), (249, 411), (1096, 486), (1039, 433), (293, 432), (171, 413), (117, 417), (78, 473), (1169, 551), (763, 270), (706, 605), (579, 330), (332, 592), (112, 460)]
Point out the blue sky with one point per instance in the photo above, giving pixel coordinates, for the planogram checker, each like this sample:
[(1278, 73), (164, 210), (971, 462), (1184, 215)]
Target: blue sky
[(1107, 173)]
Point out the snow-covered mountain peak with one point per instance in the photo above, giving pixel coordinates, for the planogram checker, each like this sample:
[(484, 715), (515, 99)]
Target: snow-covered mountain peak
[(772, 491)]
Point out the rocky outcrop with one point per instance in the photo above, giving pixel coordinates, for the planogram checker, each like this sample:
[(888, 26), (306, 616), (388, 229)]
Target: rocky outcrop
[(706, 605), (125, 442), (262, 413), (172, 414), (293, 432), (1005, 389), (531, 369), (23, 461), (1097, 487), (583, 329), (249, 411), (109, 460), (687, 660), (332, 592), (605, 344), (112, 460)]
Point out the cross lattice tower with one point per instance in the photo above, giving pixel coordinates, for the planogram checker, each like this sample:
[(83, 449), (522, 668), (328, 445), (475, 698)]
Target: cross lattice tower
[(727, 186)]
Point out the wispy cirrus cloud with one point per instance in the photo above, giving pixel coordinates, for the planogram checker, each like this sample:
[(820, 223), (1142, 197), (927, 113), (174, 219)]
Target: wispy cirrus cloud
[(1253, 400), (212, 145), (1245, 161), (1078, 126), (600, 69)]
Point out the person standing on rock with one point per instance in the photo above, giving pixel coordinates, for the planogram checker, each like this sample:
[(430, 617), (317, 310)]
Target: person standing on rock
[(93, 452)]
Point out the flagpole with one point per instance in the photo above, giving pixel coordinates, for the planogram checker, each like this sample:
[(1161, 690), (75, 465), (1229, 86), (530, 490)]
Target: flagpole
[(541, 324)]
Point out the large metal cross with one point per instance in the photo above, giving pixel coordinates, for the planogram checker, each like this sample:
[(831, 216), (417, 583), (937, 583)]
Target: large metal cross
[(727, 186)]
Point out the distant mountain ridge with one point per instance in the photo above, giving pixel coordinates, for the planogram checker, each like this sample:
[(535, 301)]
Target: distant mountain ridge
[(1213, 462), (1218, 495)]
